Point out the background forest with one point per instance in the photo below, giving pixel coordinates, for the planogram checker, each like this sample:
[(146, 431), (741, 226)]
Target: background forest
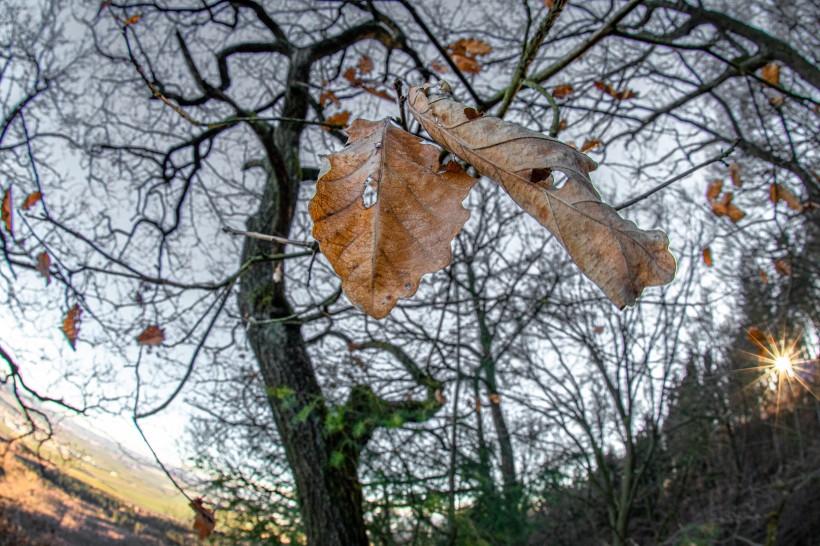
[(157, 159)]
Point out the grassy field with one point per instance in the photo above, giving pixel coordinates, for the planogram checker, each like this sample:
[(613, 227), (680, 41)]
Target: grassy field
[(77, 491)]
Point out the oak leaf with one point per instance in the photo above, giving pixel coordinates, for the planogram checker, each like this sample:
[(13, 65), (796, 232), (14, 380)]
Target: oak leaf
[(337, 119), (329, 97), (365, 65), (204, 521), (590, 144), (151, 336), (42, 267), (771, 73), (783, 267), (351, 76), (778, 192), (31, 200), (381, 93), (464, 53), (620, 258), (714, 189), (562, 91), (5, 214), (615, 94), (385, 212), (724, 207), (71, 325), (734, 173), (707, 256), (777, 101)]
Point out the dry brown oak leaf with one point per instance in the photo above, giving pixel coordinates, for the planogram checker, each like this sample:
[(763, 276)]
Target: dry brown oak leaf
[(620, 258), (385, 212)]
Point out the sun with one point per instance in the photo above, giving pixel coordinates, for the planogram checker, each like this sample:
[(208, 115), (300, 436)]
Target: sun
[(783, 365)]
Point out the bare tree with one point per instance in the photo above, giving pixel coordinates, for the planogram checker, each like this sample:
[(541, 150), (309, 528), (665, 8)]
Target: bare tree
[(174, 162)]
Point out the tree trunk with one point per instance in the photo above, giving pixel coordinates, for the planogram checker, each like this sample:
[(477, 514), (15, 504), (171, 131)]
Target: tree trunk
[(324, 468), (330, 496)]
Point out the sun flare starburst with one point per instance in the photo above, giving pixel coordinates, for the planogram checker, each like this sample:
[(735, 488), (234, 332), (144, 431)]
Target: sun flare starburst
[(785, 370)]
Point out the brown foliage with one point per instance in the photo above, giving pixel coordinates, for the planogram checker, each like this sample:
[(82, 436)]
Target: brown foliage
[(612, 92), (338, 119), (385, 212), (42, 267), (734, 173), (31, 200), (465, 52), (562, 91), (5, 216), (204, 521), (71, 325), (707, 256), (771, 73), (778, 192), (151, 336), (620, 258)]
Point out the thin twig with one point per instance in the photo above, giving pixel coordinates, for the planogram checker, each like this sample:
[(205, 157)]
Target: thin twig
[(528, 55), (262, 237), (573, 55), (446, 56), (191, 361), (674, 179), (397, 85), (159, 462), (556, 116)]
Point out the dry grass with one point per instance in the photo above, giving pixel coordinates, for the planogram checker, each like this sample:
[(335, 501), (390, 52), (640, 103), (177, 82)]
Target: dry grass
[(40, 504)]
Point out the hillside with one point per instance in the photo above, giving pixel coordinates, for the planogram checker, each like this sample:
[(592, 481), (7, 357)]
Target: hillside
[(83, 489)]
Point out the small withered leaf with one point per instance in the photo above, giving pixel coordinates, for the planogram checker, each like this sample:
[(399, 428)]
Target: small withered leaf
[(615, 94), (5, 215), (151, 336), (734, 173), (590, 144), (340, 118), (204, 521), (71, 325), (714, 189), (43, 265), (707, 256), (381, 93), (365, 65), (783, 267), (31, 200), (562, 91), (771, 73), (779, 192)]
